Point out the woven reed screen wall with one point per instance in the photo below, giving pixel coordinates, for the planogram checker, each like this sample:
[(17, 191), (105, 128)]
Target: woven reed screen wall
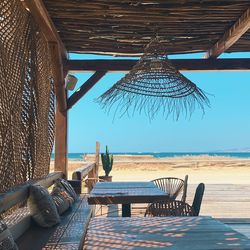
[(26, 98)]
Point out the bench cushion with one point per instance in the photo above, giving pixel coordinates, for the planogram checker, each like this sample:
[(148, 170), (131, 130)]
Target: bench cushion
[(67, 235), (6, 240)]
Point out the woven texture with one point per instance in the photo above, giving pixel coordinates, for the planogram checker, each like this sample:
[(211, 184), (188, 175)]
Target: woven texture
[(26, 98), (6, 239), (170, 185), (67, 187), (169, 208), (154, 85), (125, 27)]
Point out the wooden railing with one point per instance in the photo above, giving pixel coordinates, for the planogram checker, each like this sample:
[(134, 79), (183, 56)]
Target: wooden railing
[(87, 174)]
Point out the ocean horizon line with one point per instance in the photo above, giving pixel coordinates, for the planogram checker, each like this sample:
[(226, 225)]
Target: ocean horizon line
[(80, 156)]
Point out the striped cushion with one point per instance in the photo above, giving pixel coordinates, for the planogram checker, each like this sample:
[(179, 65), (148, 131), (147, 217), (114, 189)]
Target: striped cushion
[(61, 204), (62, 199), (67, 187)]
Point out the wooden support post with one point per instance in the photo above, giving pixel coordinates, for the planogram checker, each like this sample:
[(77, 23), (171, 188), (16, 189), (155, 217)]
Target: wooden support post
[(91, 179), (61, 132), (59, 75), (61, 149), (97, 158), (93, 173)]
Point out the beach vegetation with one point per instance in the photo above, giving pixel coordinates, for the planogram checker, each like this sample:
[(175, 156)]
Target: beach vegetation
[(107, 161)]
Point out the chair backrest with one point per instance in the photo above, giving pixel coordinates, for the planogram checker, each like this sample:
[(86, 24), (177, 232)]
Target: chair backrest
[(170, 185), (198, 198), (169, 208)]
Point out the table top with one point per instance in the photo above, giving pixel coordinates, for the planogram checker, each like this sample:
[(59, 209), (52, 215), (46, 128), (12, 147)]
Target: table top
[(173, 233), (125, 193)]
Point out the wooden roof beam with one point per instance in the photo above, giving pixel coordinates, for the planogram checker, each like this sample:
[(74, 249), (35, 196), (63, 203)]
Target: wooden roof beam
[(124, 65), (231, 36), (79, 93), (42, 18)]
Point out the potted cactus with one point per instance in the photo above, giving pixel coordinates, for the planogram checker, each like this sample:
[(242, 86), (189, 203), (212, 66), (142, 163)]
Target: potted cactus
[(107, 163)]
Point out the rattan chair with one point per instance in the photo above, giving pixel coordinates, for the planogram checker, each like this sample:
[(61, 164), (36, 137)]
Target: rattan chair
[(177, 208), (198, 198), (173, 186), (169, 208)]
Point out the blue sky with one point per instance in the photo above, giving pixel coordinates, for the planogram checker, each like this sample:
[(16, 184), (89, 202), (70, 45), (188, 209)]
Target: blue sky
[(225, 125)]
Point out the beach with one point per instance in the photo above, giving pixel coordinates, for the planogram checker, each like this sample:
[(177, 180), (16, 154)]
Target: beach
[(227, 179), (207, 169)]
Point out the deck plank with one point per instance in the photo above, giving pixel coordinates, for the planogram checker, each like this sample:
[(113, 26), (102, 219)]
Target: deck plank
[(196, 233), (242, 228)]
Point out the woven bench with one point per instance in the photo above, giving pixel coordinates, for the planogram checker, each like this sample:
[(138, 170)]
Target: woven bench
[(69, 234)]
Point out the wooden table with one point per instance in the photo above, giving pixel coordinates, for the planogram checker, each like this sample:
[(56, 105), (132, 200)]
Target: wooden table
[(173, 233), (125, 193)]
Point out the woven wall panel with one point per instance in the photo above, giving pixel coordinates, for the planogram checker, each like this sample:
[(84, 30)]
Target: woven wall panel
[(26, 98)]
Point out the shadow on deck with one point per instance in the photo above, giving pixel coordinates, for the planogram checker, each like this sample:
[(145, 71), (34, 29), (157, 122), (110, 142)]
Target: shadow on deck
[(228, 203)]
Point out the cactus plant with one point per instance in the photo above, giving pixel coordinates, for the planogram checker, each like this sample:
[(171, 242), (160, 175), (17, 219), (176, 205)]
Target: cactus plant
[(107, 161)]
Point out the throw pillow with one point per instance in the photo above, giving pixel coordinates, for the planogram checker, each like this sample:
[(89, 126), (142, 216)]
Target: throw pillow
[(42, 207), (6, 240), (61, 203), (62, 199), (61, 191), (68, 188)]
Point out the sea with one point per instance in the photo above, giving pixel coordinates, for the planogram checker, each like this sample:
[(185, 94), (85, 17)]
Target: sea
[(79, 156)]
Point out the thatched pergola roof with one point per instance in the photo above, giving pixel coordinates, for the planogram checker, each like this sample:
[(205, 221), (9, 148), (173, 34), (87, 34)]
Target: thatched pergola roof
[(125, 27)]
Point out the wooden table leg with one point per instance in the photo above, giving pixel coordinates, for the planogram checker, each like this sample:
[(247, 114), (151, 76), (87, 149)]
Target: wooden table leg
[(126, 210)]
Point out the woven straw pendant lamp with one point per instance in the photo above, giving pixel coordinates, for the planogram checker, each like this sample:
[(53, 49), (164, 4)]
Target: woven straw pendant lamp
[(154, 85)]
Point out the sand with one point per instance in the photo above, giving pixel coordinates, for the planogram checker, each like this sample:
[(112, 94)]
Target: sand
[(207, 169)]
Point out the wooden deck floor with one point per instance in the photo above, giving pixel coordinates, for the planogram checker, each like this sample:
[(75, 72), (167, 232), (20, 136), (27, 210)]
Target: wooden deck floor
[(240, 226), (228, 203), (219, 201), (224, 200)]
